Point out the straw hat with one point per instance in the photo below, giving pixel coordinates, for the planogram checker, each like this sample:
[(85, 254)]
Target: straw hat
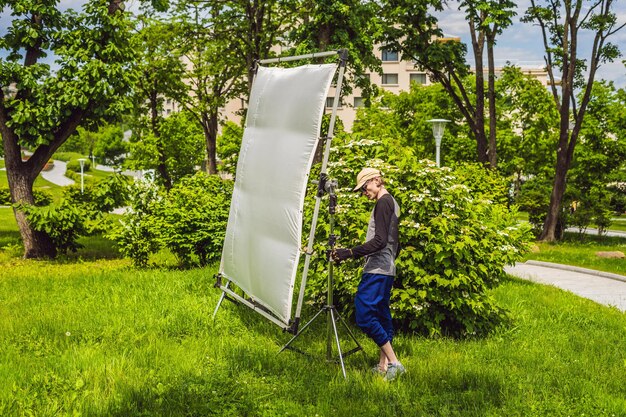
[(365, 175)]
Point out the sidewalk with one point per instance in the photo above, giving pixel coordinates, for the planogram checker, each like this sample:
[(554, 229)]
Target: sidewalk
[(592, 231), (601, 287), (57, 174)]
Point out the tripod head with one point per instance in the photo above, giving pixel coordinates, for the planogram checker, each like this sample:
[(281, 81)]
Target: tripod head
[(325, 185)]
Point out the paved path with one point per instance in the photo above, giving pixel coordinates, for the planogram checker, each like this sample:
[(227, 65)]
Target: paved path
[(592, 231), (57, 174), (601, 287)]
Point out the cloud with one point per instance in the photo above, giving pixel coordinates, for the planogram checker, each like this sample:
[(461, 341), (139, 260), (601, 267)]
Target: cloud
[(522, 43)]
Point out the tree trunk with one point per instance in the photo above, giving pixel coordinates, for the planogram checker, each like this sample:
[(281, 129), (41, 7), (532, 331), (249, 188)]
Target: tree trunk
[(491, 96), (154, 122), (563, 158), (209, 125), (21, 176), (482, 147)]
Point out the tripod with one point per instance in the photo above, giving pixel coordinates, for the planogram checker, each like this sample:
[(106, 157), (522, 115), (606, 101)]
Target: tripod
[(325, 185)]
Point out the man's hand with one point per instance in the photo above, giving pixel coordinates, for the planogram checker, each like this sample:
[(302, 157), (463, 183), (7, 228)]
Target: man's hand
[(340, 255)]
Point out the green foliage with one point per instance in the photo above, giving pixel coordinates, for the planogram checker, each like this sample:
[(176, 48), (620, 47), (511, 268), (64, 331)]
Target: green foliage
[(228, 144), (484, 183), (599, 158), (110, 147), (175, 151), (326, 25), (42, 197), (455, 240), (193, 218), (63, 222), (527, 124), (189, 219), (137, 235), (78, 214), (534, 199), (74, 165), (81, 142)]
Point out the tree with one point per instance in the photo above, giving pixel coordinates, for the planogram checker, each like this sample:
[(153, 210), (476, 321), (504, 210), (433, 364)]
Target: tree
[(599, 157), (160, 78), (413, 31), (403, 118), (334, 24), (110, 146), (561, 24), (253, 28), (526, 125), (178, 149), (41, 108), (221, 41)]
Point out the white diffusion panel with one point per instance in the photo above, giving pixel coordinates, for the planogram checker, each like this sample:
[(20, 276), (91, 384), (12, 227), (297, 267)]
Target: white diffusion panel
[(263, 237)]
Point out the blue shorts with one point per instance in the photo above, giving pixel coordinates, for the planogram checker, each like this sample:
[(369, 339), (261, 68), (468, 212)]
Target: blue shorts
[(371, 303)]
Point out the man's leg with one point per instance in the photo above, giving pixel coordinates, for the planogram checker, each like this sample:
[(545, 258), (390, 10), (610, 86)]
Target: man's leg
[(367, 303)]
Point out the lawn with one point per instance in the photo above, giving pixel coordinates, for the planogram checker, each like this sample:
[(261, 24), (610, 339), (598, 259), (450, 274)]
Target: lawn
[(90, 335), (580, 250)]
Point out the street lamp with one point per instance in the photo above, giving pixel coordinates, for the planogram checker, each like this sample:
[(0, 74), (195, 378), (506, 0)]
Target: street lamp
[(82, 174), (439, 125)]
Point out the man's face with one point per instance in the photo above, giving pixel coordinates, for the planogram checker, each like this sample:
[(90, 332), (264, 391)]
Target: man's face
[(371, 188)]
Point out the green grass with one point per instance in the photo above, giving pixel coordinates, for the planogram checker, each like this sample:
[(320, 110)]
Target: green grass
[(67, 156), (618, 223), (580, 250), (89, 335)]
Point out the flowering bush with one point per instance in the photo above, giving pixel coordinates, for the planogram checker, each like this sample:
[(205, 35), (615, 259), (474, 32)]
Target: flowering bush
[(456, 237), (190, 220)]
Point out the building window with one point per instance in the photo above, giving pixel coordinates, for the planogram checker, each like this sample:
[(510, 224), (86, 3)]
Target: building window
[(330, 101), (359, 102), (390, 79), (389, 56), (418, 78)]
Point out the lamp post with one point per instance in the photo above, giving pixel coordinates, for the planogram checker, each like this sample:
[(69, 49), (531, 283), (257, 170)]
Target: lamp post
[(439, 125), (82, 174)]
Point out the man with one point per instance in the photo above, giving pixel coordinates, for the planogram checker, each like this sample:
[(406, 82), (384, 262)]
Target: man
[(380, 250)]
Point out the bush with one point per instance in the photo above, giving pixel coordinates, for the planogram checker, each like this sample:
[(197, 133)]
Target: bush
[(190, 220), (42, 197), (137, 234), (534, 198), (74, 165), (228, 144), (455, 242), (78, 214), (64, 223)]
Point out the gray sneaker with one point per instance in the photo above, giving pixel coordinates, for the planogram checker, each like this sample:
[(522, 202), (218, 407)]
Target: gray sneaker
[(376, 370), (394, 370)]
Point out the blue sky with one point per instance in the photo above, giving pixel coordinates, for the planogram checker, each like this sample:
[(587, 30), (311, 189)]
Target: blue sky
[(521, 44)]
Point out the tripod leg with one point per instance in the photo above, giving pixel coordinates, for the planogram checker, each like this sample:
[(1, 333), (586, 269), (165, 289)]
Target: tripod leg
[(302, 330), (219, 303), (343, 367), (349, 331)]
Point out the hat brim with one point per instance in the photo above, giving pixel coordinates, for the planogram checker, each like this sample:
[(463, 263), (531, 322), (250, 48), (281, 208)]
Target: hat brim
[(365, 179)]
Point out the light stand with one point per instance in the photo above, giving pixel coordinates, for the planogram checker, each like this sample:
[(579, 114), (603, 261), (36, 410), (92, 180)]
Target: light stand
[(439, 126), (332, 315), (82, 174)]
